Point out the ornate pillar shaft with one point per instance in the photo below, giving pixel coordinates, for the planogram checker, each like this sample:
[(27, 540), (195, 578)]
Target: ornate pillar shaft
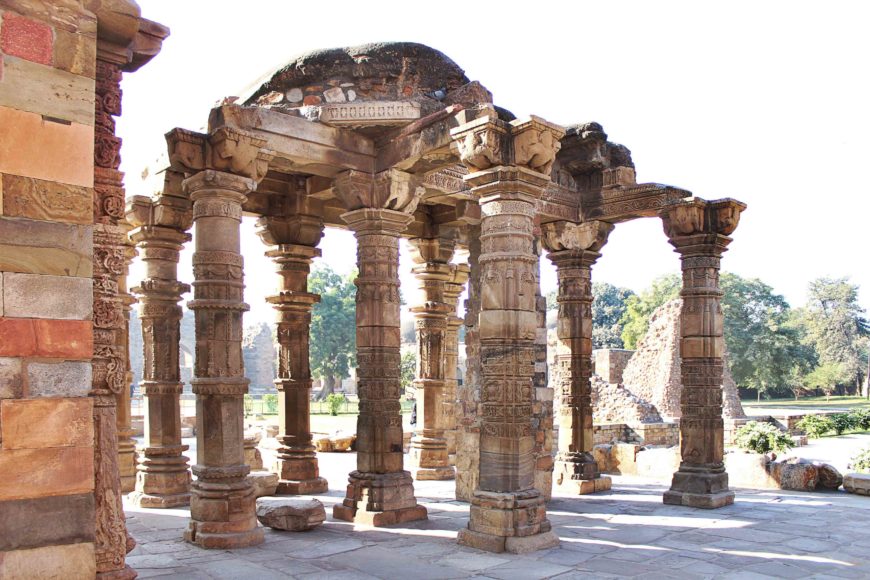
[(109, 361), (297, 461), (429, 457), (163, 479), (452, 291), (507, 512), (699, 231), (222, 506), (573, 250), (126, 444), (380, 491)]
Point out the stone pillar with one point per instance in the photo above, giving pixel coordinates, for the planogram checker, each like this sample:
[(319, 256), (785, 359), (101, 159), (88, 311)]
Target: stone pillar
[(109, 364), (429, 456), (222, 506), (163, 479), (699, 232), (296, 463), (380, 491), (452, 291), (509, 166), (573, 249), (126, 444)]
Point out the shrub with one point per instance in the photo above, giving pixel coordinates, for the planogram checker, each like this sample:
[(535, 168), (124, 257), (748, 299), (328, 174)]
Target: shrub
[(270, 401), (815, 426), (762, 438), (861, 462), (842, 422), (860, 418), (335, 401)]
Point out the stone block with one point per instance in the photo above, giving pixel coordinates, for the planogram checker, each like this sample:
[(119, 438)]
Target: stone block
[(858, 483), (63, 519), (47, 200), (75, 53), (39, 247), (624, 457), (11, 378), (658, 463), (39, 423), (294, 515), (48, 91), (829, 477), (63, 562), (44, 149), (42, 296), (68, 339), (264, 482), (33, 473), (25, 38)]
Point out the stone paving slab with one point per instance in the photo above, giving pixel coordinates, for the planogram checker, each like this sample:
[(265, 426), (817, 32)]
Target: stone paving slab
[(624, 533)]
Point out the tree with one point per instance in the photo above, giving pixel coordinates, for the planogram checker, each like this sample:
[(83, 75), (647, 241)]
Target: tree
[(827, 376), (639, 307), (834, 324), (764, 342), (608, 309), (408, 370), (333, 327)]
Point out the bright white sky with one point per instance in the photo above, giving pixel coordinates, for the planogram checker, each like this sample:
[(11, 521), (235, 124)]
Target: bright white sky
[(766, 102)]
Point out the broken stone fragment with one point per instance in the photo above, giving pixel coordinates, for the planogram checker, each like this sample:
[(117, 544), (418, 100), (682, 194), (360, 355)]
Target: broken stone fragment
[(857, 483), (264, 482), (291, 514)]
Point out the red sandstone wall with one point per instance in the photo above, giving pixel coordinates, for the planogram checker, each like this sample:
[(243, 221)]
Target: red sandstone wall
[(47, 68)]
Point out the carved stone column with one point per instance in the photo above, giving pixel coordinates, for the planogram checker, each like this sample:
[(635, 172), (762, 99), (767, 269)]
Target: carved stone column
[(509, 167), (452, 291), (126, 444), (699, 232), (429, 458), (163, 479), (222, 506), (573, 249), (291, 246), (380, 491)]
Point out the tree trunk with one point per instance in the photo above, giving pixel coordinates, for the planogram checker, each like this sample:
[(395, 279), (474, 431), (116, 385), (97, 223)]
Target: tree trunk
[(758, 395), (328, 387)]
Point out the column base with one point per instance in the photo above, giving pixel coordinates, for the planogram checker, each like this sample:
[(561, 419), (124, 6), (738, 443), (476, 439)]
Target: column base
[(380, 499), (513, 522), (585, 486), (223, 512), (159, 501), (434, 473), (125, 573), (302, 487), (700, 488)]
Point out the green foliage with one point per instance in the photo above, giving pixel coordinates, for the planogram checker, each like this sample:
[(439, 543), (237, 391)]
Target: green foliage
[(826, 377), (639, 307), (815, 426), (608, 308), (333, 323), (842, 422), (408, 370), (270, 403), (860, 419), (248, 404), (834, 324), (861, 462), (335, 401), (762, 438)]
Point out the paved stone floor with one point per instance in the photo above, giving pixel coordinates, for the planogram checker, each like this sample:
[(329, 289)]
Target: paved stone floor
[(626, 533)]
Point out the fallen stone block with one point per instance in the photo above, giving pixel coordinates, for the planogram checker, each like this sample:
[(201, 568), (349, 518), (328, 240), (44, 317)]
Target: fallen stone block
[(265, 482), (858, 483), (829, 477), (291, 514)]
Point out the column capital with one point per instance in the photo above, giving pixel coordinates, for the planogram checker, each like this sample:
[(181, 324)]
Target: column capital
[(699, 226), (436, 250), (565, 239), (211, 183), (377, 221), (392, 189), (166, 211), (294, 230), (224, 150)]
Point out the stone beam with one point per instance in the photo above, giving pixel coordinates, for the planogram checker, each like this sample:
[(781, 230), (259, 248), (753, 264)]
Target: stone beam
[(622, 203), (422, 146)]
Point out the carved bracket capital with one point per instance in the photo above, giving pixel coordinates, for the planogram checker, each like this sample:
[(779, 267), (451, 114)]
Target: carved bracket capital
[(587, 236)]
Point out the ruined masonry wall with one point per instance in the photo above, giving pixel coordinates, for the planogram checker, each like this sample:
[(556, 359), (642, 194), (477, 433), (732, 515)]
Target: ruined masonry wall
[(46, 290)]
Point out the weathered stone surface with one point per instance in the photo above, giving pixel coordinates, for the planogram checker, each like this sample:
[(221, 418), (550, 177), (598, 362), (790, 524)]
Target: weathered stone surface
[(613, 403), (264, 482), (294, 515), (10, 378), (68, 339), (795, 476), (63, 562), (42, 296), (48, 91), (26, 38), (39, 247), (62, 423), (858, 483), (829, 476), (750, 470), (75, 53), (71, 520), (32, 473), (46, 150), (47, 200)]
